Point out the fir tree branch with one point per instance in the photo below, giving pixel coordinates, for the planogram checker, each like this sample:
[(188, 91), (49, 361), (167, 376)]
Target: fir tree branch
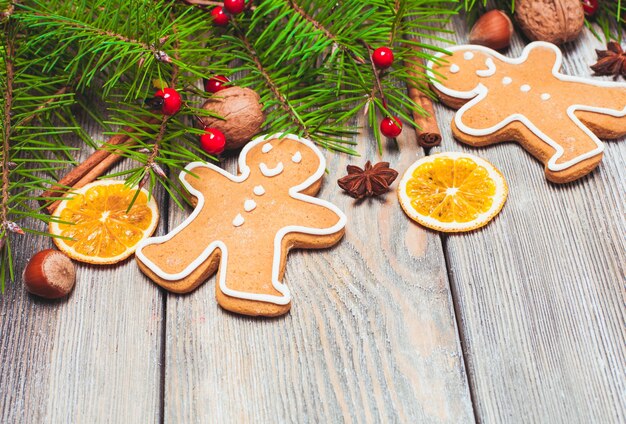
[(286, 106)]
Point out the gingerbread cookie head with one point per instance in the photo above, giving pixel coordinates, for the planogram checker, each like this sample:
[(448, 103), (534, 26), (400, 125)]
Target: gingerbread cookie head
[(465, 70), (245, 224), (288, 162), (555, 117)]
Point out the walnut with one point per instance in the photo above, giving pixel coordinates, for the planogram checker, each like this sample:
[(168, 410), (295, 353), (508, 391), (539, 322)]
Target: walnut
[(555, 21), (242, 113)]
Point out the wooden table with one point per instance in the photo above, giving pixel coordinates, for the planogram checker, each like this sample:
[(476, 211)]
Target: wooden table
[(522, 321)]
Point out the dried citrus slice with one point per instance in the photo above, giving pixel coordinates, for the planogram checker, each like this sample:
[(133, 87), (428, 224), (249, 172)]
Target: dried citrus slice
[(452, 192), (97, 225)]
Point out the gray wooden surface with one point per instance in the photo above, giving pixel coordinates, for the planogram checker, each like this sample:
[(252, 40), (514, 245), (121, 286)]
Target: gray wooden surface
[(382, 327)]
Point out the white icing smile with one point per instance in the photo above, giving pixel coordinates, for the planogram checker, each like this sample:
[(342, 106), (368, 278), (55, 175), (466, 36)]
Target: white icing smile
[(297, 157), (249, 205), (271, 172), (259, 190), (266, 147), (491, 69)]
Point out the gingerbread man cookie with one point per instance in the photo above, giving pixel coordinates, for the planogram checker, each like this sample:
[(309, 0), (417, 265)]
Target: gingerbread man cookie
[(555, 117), (245, 224)]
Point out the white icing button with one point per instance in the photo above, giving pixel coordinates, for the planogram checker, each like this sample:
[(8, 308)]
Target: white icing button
[(259, 190), (297, 157), (454, 68), (249, 205), (545, 96), (525, 88), (238, 221), (271, 172), (507, 80), (266, 147), (468, 56)]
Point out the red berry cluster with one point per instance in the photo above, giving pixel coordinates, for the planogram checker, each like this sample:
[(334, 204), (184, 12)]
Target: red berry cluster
[(382, 58), (221, 14)]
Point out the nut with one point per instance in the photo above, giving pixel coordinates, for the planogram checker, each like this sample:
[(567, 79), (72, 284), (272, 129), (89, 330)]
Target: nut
[(49, 274), (242, 115), (555, 21), (493, 29)]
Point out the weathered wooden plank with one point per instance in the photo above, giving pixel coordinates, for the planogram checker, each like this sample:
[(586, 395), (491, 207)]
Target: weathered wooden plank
[(90, 358), (539, 291), (371, 336)]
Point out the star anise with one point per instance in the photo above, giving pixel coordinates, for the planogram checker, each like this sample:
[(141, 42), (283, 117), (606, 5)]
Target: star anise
[(371, 181), (611, 61)]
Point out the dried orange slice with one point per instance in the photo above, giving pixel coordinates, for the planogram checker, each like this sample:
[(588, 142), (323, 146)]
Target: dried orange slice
[(97, 225), (452, 192)]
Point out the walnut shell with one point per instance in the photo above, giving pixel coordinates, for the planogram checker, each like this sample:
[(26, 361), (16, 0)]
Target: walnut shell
[(242, 113), (555, 21)]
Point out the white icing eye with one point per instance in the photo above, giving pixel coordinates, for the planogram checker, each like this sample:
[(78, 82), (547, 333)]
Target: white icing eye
[(249, 205), (238, 221), (266, 147), (525, 88), (545, 96), (259, 190), (454, 68), (297, 157), (468, 56), (507, 80), (271, 172)]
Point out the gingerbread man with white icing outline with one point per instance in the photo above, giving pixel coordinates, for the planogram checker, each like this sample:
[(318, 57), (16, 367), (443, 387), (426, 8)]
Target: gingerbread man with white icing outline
[(555, 117), (245, 224)]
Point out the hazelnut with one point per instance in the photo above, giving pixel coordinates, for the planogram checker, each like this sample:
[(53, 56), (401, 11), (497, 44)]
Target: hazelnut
[(242, 115), (49, 274), (493, 29), (554, 21)]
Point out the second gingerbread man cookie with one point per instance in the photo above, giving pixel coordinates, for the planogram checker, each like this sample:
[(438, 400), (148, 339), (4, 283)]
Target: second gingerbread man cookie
[(245, 225), (555, 117)]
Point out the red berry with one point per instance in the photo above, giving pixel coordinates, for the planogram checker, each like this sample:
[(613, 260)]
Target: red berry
[(234, 6), (383, 57), (171, 101), (213, 141), (391, 127), (215, 84), (219, 17), (590, 7)]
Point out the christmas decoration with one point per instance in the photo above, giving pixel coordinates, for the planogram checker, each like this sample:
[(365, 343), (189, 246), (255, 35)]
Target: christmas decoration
[(49, 274), (493, 29), (219, 17), (383, 57), (590, 7), (213, 141), (234, 6), (216, 83), (240, 115), (391, 127), (611, 61), (169, 101), (372, 180)]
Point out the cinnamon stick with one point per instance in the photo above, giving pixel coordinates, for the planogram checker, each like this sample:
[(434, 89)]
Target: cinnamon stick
[(428, 133), (90, 169)]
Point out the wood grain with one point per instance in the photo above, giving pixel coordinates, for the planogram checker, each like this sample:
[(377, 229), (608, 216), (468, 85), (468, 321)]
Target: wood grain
[(540, 291), (371, 336), (93, 357)]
